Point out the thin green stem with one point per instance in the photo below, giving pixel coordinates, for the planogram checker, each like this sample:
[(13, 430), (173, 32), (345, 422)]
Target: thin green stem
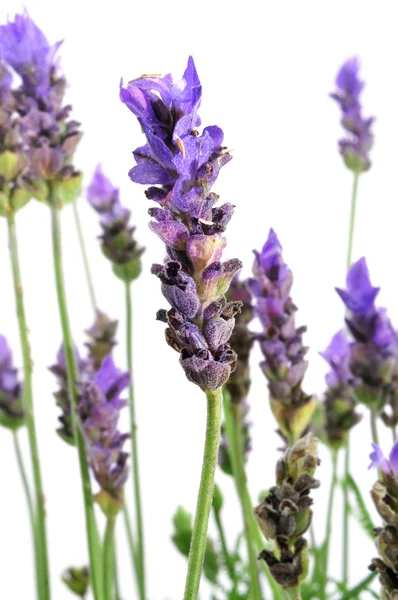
[(352, 220), (130, 540), (329, 515), (373, 427), (41, 535), (293, 593), (31, 510), (234, 432), (353, 592), (346, 549), (205, 495), (94, 545), (116, 568), (109, 559), (229, 565), (84, 255), (140, 549)]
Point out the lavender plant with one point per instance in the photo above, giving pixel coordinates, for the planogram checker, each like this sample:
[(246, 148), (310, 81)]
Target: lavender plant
[(208, 322)]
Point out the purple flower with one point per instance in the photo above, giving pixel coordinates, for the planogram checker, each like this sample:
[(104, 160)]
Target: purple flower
[(46, 134), (99, 410), (11, 411), (374, 349), (356, 146), (338, 355), (339, 404), (181, 164), (25, 48), (388, 466), (281, 342), (118, 243), (102, 335)]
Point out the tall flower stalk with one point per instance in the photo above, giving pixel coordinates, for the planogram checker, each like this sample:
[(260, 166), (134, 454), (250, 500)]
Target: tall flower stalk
[(119, 246), (49, 138), (181, 164), (354, 149), (15, 172)]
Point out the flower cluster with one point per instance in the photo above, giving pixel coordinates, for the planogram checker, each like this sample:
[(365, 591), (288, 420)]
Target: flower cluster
[(181, 164), (384, 495), (374, 347), (356, 146), (340, 403), (118, 243), (11, 410), (99, 409), (238, 385), (281, 342), (285, 514), (48, 137), (102, 334)]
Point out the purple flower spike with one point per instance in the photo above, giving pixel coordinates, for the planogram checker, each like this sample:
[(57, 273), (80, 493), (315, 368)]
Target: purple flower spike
[(374, 351), (11, 411), (281, 342), (25, 48), (340, 403), (180, 164), (99, 409), (356, 146), (118, 243)]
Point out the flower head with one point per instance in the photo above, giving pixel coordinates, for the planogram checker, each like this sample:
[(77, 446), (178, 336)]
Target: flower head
[(181, 164), (374, 349), (118, 243), (11, 411), (99, 410), (281, 342), (338, 355), (356, 146), (25, 48)]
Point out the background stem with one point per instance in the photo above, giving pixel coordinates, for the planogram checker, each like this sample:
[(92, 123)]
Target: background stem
[(40, 530), (94, 545), (346, 549), (109, 559), (139, 551), (324, 582), (205, 495), (84, 255), (229, 565), (234, 432)]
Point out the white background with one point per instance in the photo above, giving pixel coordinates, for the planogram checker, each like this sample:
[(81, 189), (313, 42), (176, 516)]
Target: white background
[(267, 69)]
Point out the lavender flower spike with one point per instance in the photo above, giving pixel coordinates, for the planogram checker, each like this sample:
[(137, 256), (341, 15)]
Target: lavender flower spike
[(48, 135), (281, 342), (356, 146), (340, 403), (11, 411), (374, 350), (99, 410), (181, 164), (118, 243)]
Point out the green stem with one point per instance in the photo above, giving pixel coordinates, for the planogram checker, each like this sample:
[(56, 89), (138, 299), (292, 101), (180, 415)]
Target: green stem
[(352, 220), (84, 255), (31, 511), (373, 427), (346, 549), (224, 548), (234, 433), (94, 545), (293, 593), (139, 554), (353, 592), (116, 569), (109, 559), (205, 495), (130, 540), (41, 535), (324, 575)]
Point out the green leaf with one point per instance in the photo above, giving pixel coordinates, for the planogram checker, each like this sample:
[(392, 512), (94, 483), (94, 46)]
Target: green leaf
[(217, 499), (361, 513), (211, 563), (182, 521)]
